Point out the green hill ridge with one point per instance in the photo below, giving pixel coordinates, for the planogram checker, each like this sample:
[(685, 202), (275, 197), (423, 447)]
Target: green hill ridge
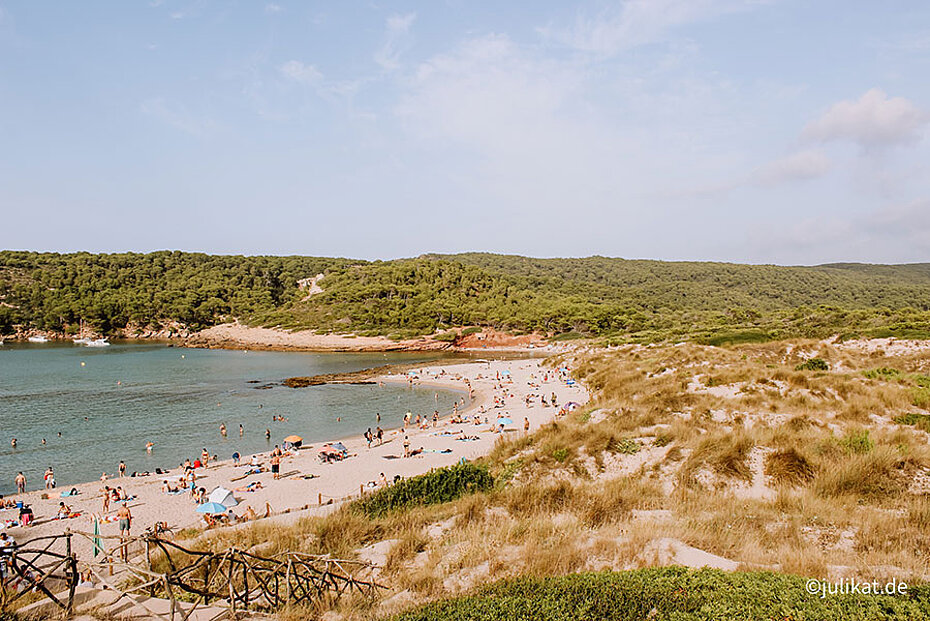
[(618, 299)]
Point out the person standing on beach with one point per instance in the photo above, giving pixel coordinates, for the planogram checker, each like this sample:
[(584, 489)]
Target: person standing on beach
[(20, 483), (125, 523), (204, 457), (49, 478), (106, 499), (406, 446), (122, 468), (369, 437), (380, 433), (275, 465)]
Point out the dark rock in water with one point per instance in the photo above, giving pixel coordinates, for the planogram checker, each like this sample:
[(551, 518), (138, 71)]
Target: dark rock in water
[(253, 382)]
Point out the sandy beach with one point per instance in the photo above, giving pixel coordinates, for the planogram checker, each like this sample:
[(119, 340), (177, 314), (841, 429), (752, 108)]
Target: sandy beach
[(294, 495)]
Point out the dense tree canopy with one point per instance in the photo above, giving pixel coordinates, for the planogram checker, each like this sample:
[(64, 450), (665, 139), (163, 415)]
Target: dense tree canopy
[(715, 302)]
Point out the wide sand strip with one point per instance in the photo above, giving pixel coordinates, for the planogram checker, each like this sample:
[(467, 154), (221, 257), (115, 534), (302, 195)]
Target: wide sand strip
[(511, 380)]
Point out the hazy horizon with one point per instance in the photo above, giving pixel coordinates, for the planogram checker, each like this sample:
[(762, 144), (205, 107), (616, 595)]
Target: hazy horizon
[(748, 131)]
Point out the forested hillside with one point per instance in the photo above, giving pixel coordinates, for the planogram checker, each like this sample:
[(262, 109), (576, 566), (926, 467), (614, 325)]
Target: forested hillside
[(595, 296), (55, 292)]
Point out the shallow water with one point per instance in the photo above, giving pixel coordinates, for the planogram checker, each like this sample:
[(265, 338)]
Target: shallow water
[(177, 398)]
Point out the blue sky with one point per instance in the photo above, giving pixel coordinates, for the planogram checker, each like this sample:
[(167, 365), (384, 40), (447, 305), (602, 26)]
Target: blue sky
[(756, 131)]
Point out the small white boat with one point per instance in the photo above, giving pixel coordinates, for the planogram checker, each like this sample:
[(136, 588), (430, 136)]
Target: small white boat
[(97, 343), (81, 341), (38, 339)]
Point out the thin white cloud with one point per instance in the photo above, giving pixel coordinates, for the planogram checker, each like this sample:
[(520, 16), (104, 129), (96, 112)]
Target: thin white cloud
[(300, 72), (800, 166), (177, 116), (639, 22), (396, 29), (874, 120), (273, 8)]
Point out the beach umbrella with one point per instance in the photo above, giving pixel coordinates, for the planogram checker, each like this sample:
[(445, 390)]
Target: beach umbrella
[(293, 439), (211, 507), (504, 421), (223, 496)]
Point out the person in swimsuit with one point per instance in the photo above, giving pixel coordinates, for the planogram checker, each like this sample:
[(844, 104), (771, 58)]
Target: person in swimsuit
[(275, 465), (122, 469), (21, 483), (125, 523)]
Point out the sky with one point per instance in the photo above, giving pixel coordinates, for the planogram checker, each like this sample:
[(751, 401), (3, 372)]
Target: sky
[(755, 131)]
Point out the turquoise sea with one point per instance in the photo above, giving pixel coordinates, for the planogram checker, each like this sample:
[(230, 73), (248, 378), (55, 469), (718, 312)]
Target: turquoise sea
[(107, 403)]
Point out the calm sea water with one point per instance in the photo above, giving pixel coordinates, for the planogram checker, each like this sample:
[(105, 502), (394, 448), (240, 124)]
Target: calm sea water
[(177, 398)]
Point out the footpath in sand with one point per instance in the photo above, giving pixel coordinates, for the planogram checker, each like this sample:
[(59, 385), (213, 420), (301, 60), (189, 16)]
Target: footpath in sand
[(510, 380)]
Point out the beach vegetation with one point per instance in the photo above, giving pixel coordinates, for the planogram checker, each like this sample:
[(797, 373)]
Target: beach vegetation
[(434, 487), (668, 593)]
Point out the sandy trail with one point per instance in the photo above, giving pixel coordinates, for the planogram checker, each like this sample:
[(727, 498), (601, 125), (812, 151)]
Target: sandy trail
[(338, 480)]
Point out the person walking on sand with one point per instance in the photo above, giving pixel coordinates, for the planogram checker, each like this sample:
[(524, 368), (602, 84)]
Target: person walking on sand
[(106, 499), (369, 437), (125, 523), (20, 483), (406, 446), (122, 469)]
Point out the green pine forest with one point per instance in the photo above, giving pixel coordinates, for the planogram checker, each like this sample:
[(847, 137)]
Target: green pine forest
[(615, 300)]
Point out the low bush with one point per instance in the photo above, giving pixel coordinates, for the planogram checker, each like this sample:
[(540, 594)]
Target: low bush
[(883, 373), (921, 421), (814, 364), (434, 487), (669, 593)]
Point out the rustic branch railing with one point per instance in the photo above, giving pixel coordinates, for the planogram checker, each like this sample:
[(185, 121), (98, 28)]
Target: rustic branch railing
[(234, 579)]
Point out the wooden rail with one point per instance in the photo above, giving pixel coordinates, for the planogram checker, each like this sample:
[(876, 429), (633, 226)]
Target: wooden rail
[(233, 579)]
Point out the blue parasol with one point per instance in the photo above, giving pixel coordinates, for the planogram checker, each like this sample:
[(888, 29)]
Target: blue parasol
[(211, 507)]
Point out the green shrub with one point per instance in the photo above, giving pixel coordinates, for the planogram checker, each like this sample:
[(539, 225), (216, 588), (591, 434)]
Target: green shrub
[(882, 373), (672, 593), (814, 364), (471, 330), (624, 446), (857, 442), (446, 337), (921, 421), (434, 487)]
